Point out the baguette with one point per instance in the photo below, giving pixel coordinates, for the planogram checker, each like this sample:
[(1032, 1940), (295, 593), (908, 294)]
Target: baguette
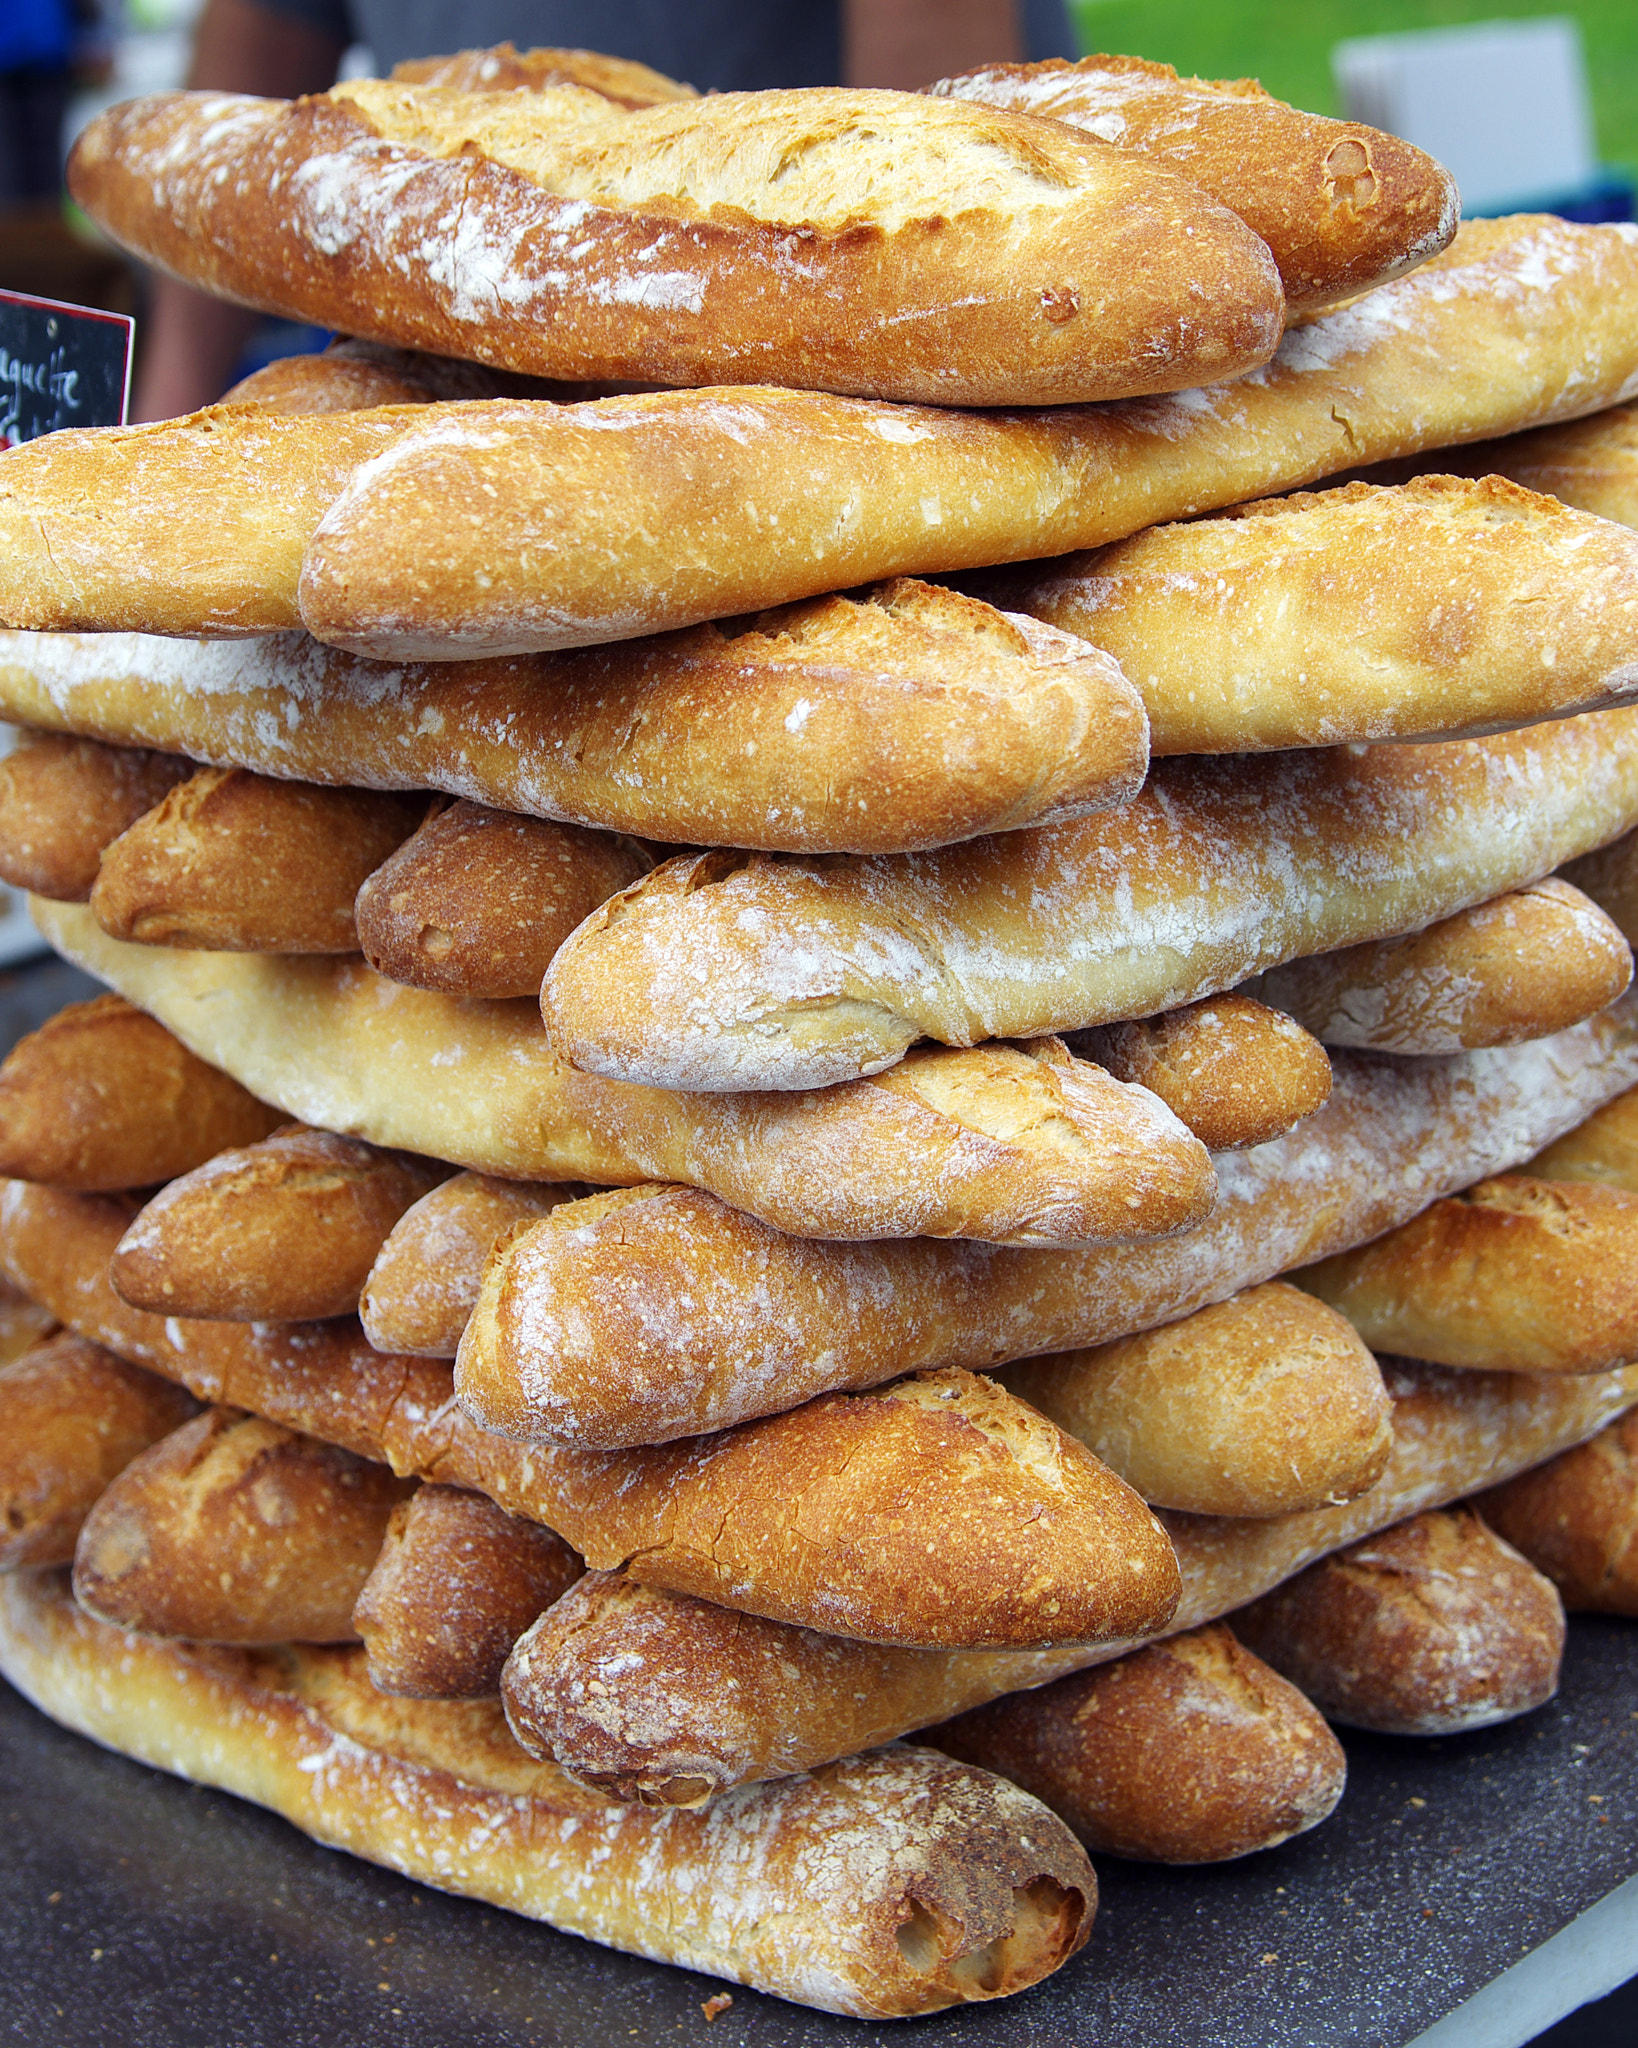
[(457, 1581), (1591, 464), (103, 1097), (838, 240), (1264, 1404), (889, 1885), (1514, 1274), (816, 973), (1329, 617), (1235, 1071), (1602, 1149), (236, 862), (23, 1323), (1191, 1751), (1342, 207), (63, 800), (1523, 965), (663, 1313), (652, 1697), (1017, 1143), (279, 1232), (351, 376), (1576, 1519), (875, 1514), (72, 1417), (1610, 878), (903, 717), (505, 69), (1432, 1627), (232, 1530)]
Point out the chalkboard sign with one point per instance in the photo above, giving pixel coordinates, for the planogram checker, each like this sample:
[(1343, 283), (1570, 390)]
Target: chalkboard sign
[(60, 366)]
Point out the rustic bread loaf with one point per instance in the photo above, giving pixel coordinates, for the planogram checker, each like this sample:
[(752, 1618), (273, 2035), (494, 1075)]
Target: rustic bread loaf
[(72, 1416), (1591, 464), (63, 800), (350, 376), (457, 1581), (888, 1885), (1432, 1627), (103, 1097), (1610, 878), (505, 69), (22, 1322), (839, 240), (1342, 207), (232, 1530), (1264, 1404), (1603, 1148), (279, 1232), (1191, 1751), (1576, 1519)]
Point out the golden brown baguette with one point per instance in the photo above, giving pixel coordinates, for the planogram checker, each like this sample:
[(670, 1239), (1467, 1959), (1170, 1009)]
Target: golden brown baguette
[(351, 375), (1342, 207), (72, 1416), (457, 1581), (650, 1696), (1235, 1071), (888, 1885), (232, 1530), (278, 1232), (1525, 964), (103, 1097), (242, 863), (1432, 1627), (1576, 1519), (1264, 1404), (1328, 617), (22, 1322), (1191, 1751), (837, 240), (1217, 870), (505, 69), (1602, 1149), (873, 1513), (477, 901), (603, 1300), (424, 1282), (1015, 1143), (1515, 1274), (63, 800), (900, 717), (1591, 464)]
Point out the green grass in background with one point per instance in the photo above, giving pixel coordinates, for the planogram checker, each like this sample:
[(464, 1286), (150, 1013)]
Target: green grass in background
[(1287, 44)]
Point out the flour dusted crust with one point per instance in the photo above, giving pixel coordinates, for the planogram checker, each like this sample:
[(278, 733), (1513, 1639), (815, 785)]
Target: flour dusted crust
[(886, 1886), (864, 242)]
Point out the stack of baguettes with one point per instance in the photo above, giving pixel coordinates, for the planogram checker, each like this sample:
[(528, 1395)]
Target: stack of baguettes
[(742, 1384)]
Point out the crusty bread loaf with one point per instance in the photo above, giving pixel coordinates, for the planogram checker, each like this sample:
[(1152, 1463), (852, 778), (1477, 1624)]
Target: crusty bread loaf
[(1576, 1519), (1343, 207), (1332, 616), (72, 1416), (279, 1232), (103, 1097), (232, 1530), (901, 717), (1432, 1627), (1610, 878), (889, 1885), (1191, 1751), (1235, 1071), (1533, 961), (457, 1581), (664, 1313), (505, 69), (732, 971), (654, 1697), (1603, 1148), (63, 800), (1514, 1274), (22, 1322), (837, 240), (424, 1283), (1263, 1404), (352, 375), (1016, 1143), (1591, 464), (242, 863)]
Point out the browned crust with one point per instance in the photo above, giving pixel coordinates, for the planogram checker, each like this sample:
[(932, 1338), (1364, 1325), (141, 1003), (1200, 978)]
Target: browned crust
[(1610, 878), (1576, 1519), (350, 376), (1603, 1148), (1591, 463), (503, 68), (63, 800)]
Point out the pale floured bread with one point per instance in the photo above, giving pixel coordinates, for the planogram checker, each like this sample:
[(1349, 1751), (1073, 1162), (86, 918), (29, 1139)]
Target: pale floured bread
[(1525, 964), (1334, 616), (740, 971), (889, 1885), (664, 1698), (829, 239), (1576, 1519), (1005, 1142), (63, 800), (505, 69), (1342, 206)]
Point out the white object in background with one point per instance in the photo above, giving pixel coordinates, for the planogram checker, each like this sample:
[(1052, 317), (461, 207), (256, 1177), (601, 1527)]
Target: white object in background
[(1502, 104), (18, 938)]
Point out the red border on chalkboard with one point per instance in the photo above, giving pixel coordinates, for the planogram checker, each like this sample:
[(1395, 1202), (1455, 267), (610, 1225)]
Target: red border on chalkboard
[(87, 313)]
